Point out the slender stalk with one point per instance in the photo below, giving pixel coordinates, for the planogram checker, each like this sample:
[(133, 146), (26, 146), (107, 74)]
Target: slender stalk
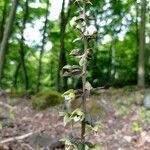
[(84, 71)]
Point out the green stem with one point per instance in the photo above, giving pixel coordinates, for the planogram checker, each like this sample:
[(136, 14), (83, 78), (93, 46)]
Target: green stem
[(84, 71)]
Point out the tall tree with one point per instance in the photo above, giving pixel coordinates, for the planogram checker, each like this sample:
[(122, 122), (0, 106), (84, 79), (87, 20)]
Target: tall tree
[(42, 49), (22, 48), (62, 82), (2, 23), (141, 59), (6, 36)]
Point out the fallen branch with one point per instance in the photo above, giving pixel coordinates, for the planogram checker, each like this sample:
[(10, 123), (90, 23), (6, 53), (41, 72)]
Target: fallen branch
[(6, 105), (19, 137)]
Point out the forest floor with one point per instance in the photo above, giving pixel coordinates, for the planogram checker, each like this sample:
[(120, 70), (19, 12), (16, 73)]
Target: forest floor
[(126, 123)]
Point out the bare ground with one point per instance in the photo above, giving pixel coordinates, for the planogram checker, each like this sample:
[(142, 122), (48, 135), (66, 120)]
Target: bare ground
[(124, 127)]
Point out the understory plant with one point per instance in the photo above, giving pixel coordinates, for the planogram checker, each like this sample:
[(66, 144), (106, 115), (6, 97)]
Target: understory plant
[(81, 23)]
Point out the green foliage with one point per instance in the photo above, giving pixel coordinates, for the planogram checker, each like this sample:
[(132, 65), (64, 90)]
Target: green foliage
[(145, 115), (135, 127), (74, 116), (76, 144), (95, 128), (45, 99), (123, 103), (8, 114), (122, 110), (117, 21), (69, 96)]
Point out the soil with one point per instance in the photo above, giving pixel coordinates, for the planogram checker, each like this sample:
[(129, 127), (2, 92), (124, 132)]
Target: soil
[(125, 131)]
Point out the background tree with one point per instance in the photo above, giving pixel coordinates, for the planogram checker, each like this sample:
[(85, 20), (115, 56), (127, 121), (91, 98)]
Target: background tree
[(141, 60), (42, 48), (62, 83), (115, 60), (6, 36), (22, 49)]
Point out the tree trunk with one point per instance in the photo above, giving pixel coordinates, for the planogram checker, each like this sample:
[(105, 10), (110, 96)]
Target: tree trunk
[(6, 36), (16, 75), (113, 60), (42, 50), (137, 36), (4, 13), (62, 82), (22, 51), (141, 59)]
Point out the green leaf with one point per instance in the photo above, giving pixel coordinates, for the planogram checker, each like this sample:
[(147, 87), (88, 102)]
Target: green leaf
[(67, 67), (76, 70), (73, 22), (78, 113), (77, 39), (69, 95), (89, 119), (88, 2), (66, 71), (66, 74), (83, 60), (75, 53), (67, 119)]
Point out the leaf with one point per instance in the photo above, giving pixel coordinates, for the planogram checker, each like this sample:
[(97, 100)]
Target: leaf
[(76, 70), (96, 128), (88, 2), (88, 86), (66, 74), (66, 141), (89, 119), (69, 95), (78, 113), (66, 71), (73, 22), (67, 67), (80, 19), (76, 1), (76, 40), (76, 142), (83, 60), (79, 27), (75, 52), (89, 144), (67, 119)]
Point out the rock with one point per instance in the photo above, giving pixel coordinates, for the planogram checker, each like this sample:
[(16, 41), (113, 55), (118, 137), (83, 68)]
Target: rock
[(128, 138), (45, 141), (147, 100)]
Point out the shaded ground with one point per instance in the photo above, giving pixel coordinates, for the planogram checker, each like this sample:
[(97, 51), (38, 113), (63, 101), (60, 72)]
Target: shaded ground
[(126, 123)]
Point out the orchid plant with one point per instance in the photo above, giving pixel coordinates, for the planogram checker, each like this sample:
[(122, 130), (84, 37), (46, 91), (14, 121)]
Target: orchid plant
[(80, 23)]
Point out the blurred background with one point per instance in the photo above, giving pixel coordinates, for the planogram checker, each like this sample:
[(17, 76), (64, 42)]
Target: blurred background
[(36, 39)]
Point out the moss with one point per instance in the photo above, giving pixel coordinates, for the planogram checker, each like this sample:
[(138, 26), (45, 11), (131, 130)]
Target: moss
[(45, 99)]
